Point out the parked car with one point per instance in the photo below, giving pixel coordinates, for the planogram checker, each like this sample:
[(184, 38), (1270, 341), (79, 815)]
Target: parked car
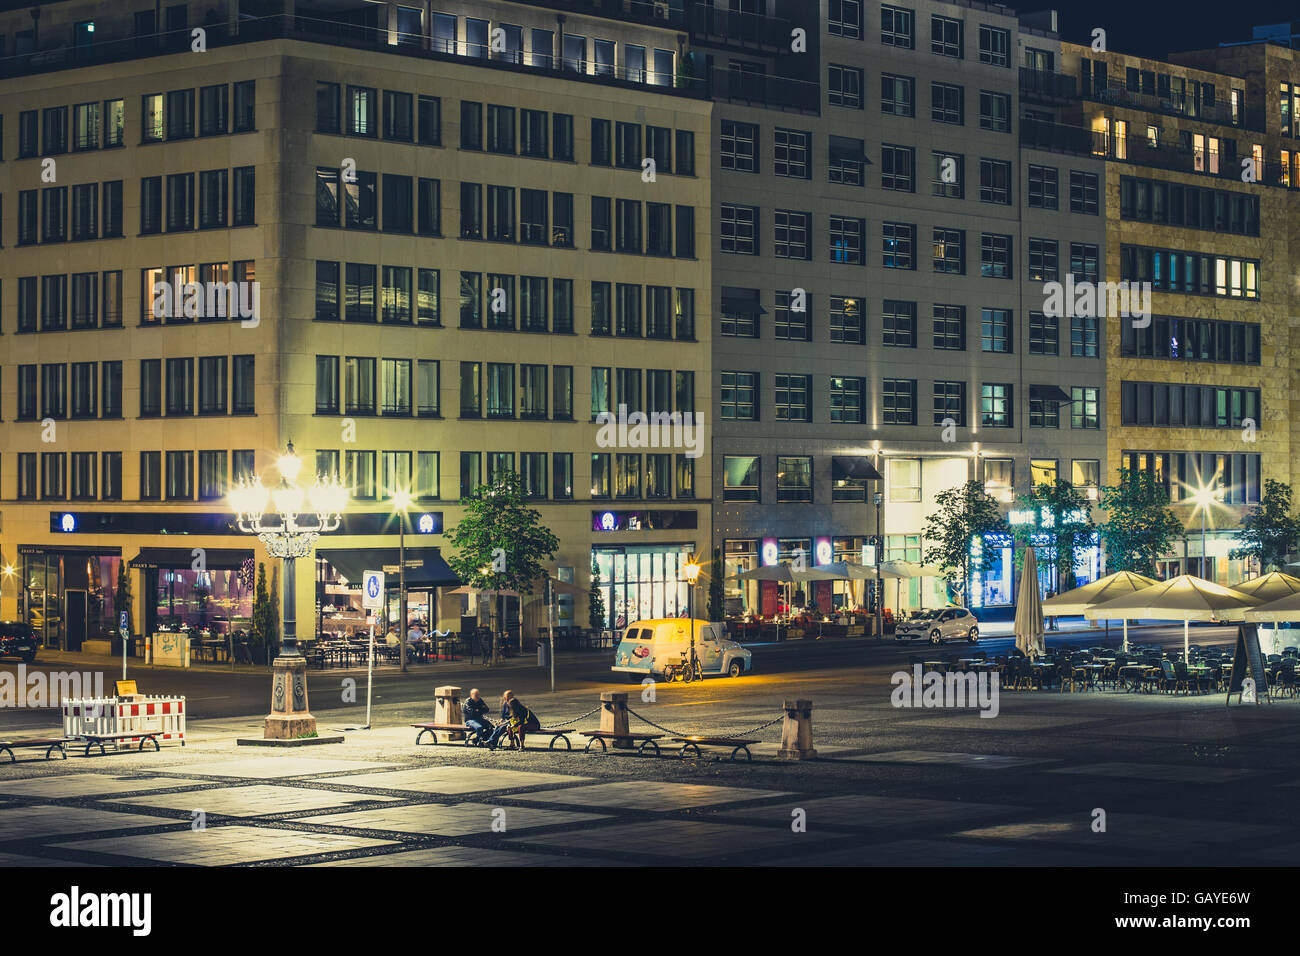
[(658, 648), (939, 625), (17, 640)]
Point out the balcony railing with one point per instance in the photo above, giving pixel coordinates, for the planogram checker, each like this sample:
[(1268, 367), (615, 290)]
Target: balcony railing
[(335, 33), (1222, 114), (734, 30), (1044, 86), (653, 12), (1059, 138), (1138, 150), (777, 92)]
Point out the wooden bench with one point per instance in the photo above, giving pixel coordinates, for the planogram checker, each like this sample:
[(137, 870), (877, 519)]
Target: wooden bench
[(561, 733), (97, 740), (647, 740), (691, 745), (50, 744), (434, 729)]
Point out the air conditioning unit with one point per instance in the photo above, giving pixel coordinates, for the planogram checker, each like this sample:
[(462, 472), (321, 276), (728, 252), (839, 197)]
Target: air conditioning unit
[(661, 9)]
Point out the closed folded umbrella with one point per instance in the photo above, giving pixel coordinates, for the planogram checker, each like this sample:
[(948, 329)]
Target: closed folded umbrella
[(1029, 610), (1184, 598)]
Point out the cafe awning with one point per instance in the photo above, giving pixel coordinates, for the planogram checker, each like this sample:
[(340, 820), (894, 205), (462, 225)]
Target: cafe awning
[(214, 559), (424, 566)]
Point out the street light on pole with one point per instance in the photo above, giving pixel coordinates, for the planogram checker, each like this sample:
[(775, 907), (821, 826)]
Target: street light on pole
[(401, 501), (1205, 496), (288, 518), (692, 570), (9, 573)]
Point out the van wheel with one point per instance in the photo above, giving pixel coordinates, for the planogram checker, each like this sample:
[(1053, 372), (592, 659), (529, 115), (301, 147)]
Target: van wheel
[(974, 635), (935, 637), (734, 669)]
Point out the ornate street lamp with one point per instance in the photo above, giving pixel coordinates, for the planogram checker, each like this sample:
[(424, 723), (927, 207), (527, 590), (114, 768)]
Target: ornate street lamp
[(288, 518), (692, 569)]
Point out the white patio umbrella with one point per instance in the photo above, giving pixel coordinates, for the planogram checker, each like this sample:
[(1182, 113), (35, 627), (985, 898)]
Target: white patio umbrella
[(853, 572), (1029, 610), (908, 569), (1078, 600), (1283, 609), (1184, 598), (1266, 588)]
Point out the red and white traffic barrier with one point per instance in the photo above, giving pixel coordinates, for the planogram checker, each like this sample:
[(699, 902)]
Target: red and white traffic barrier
[(161, 716)]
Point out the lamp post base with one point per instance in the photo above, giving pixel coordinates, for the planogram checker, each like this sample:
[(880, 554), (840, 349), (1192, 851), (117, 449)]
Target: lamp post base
[(289, 717)]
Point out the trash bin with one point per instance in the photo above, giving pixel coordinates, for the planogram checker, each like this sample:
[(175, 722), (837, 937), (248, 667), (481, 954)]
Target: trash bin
[(543, 652)]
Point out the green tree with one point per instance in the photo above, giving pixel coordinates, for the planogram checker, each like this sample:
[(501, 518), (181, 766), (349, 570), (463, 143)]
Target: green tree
[(273, 612), (961, 515), (500, 542), (123, 598), (1062, 512), (261, 603), (717, 602), (595, 601), (1139, 525), (1269, 530)]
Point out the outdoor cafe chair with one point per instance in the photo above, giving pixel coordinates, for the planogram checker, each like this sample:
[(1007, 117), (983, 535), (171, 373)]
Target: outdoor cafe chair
[(1284, 682)]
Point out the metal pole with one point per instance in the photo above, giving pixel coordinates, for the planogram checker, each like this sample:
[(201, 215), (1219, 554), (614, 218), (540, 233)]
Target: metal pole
[(289, 646), (878, 588), (401, 576), (370, 672), (550, 623), (690, 618), (1202, 568)]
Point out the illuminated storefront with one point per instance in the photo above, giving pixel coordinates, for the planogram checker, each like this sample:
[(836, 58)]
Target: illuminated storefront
[(67, 593), (196, 588), (640, 582)]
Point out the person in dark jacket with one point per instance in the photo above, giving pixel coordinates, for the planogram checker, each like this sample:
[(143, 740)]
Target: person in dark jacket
[(475, 711), (516, 721)]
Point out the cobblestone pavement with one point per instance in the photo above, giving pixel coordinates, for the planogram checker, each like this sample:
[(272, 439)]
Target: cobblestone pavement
[(1176, 780)]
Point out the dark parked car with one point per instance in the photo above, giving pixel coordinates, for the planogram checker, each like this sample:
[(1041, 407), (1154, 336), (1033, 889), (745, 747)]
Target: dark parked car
[(17, 640)]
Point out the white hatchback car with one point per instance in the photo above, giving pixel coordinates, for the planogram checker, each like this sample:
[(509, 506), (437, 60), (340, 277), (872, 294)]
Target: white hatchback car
[(939, 625)]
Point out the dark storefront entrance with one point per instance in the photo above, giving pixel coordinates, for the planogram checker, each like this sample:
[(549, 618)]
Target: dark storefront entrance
[(67, 594)]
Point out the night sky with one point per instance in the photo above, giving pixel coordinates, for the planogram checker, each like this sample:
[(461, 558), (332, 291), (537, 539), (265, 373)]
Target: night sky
[(1156, 27)]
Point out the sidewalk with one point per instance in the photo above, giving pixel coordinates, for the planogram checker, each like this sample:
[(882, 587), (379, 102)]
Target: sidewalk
[(79, 660)]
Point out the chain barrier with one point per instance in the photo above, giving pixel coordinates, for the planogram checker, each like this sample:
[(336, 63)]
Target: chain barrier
[(574, 720), (674, 733)]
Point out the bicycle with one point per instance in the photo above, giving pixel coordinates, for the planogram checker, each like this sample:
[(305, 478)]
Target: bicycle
[(684, 671)]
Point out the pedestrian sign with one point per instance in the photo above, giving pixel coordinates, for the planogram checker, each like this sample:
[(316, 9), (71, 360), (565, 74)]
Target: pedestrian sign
[(372, 590)]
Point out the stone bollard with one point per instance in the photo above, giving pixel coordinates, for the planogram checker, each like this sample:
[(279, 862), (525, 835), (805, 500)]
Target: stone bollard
[(796, 731), (613, 716), (446, 709)]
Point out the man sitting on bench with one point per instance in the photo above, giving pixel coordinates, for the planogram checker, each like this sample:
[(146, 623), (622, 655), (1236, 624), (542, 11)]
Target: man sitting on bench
[(516, 720), (476, 718)]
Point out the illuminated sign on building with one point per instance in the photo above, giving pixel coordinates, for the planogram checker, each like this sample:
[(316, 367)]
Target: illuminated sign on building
[(426, 524), (68, 523), (643, 520), (770, 551), (823, 550)]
